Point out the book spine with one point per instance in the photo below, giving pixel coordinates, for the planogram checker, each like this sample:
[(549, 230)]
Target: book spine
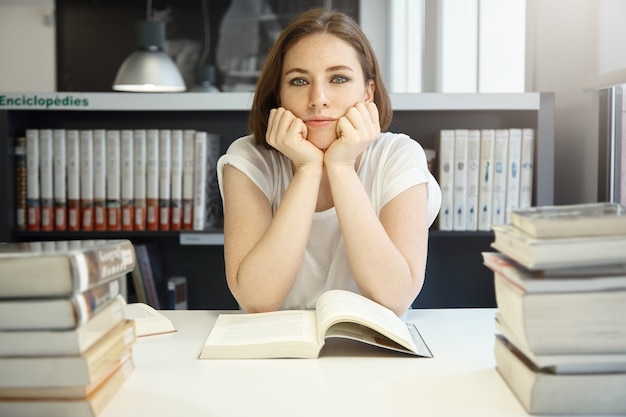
[(165, 179), (60, 179), (95, 299), (213, 210), (473, 168), (499, 176), (99, 179), (93, 265), (152, 179), (20, 182), (32, 179), (86, 180), (177, 180), (461, 142), (72, 147), (485, 190), (177, 293), (46, 182), (527, 168), (188, 181), (199, 177), (445, 151), (113, 196), (513, 172), (139, 174), (127, 179), (143, 260)]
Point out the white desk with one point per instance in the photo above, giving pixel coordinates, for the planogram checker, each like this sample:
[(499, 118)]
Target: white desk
[(460, 380)]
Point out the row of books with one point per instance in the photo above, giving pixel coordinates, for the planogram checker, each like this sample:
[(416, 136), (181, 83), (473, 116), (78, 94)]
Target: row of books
[(131, 179), (65, 343), (560, 283), (483, 174)]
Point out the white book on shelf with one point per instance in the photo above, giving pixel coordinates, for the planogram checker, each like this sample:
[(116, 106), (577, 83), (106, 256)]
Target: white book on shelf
[(99, 179), (139, 173), (86, 180), (176, 196), (152, 179), (114, 180), (473, 171), (485, 189), (127, 164), (206, 153), (72, 148), (165, 177), (445, 151), (513, 172), (188, 183), (32, 180), (60, 179), (501, 150), (527, 168), (461, 142), (46, 181)]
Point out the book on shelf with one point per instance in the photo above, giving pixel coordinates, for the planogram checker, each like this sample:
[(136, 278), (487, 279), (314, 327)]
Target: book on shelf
[(57, 312), (46, 269), (513, 172), (188, 181), (165, 177), (148, 321), (60, 179), (461, 144), (20, 182), (574, 220), (546, 253), (302, 333), (176, 166), (127, 178), (138, 285), (473, 170), (527, 168), (87, 220), (32, 180), (485, 190), (72, 149), (147, 272), (79, 401), (68, 371), (177, 293), (445, 151), (501, 152), (139, 174), (541, 391), (206, 153), (152, 179), (113, 180), (558, 322), (71, 342), (46, 180), (99, 179)]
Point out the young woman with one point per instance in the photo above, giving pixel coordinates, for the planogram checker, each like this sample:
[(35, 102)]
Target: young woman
[(317, 198)]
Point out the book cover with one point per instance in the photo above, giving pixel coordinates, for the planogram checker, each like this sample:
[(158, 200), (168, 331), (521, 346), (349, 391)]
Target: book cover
[(32, 180), (513, 180), (165, 177), (461, 144), (61, 268), (139, 172), (86, 180), (99, 179), (571, 220), (114, 179), (176, 198), (501, 151), (205, 199), (150, 282), (177, 293), (73, 179), (152, 179), (188, 180), (20, 182), (445, 151), (527, 168), (46, 180), (60, 179), (485, 190), (473, 178), (127, 192)]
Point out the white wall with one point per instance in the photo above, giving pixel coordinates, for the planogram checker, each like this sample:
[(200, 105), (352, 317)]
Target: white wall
[(27, 46)]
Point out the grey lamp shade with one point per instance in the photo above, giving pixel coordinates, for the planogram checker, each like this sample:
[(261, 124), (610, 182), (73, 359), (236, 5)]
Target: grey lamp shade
[(149, 69)]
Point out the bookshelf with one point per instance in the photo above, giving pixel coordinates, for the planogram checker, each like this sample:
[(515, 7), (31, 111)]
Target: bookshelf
[(199, 255)]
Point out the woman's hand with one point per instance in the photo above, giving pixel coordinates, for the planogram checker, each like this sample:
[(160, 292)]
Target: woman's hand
[(355, 131), (287, 134)]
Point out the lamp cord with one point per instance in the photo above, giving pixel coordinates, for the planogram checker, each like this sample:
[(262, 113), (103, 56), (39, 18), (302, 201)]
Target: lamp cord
[(207, 33)]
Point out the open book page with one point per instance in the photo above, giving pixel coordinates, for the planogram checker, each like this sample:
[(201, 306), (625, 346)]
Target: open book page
[(148, 321), (338, 306)]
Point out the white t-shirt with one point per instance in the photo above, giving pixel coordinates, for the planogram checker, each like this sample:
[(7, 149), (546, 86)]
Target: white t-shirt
[(389, 166)]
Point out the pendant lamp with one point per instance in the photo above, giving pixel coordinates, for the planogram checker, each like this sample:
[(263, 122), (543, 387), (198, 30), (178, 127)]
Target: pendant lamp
[(149, 68)]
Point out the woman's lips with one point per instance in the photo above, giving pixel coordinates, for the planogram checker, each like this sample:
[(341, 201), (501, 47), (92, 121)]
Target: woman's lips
[(319, 122)]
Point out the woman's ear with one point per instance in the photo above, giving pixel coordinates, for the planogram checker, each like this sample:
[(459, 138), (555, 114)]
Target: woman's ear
[(369, 91)]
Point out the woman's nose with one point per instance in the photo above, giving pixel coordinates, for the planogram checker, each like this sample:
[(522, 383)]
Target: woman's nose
[(318, 97)]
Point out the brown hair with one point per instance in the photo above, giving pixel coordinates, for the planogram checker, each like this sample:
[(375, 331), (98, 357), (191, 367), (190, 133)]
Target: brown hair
[(308, 23)]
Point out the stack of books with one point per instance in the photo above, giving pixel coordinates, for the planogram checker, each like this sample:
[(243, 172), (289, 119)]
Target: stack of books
[(560, 283), (65, 345)]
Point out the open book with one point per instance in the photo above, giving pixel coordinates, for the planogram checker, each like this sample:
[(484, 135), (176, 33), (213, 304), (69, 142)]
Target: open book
[(148, 321), (302, 333)]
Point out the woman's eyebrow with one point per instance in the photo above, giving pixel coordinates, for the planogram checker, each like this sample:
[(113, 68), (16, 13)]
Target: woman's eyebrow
[(329, 69)]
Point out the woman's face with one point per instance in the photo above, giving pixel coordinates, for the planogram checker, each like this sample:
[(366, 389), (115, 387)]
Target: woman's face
[(321, 79)]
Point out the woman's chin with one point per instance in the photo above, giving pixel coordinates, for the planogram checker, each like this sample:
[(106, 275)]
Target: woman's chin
[(321, 140)]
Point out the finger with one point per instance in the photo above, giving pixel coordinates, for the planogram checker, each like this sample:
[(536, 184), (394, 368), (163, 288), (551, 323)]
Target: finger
[(345, 128)]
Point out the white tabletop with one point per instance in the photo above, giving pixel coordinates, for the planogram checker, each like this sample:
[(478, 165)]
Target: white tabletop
[(346, 380)]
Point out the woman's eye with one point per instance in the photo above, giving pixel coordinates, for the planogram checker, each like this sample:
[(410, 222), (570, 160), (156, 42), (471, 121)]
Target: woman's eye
[(298, 81), (340, 79)]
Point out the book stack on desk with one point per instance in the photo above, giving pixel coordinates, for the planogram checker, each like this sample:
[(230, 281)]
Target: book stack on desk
[(65, 345), (560, 283)]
